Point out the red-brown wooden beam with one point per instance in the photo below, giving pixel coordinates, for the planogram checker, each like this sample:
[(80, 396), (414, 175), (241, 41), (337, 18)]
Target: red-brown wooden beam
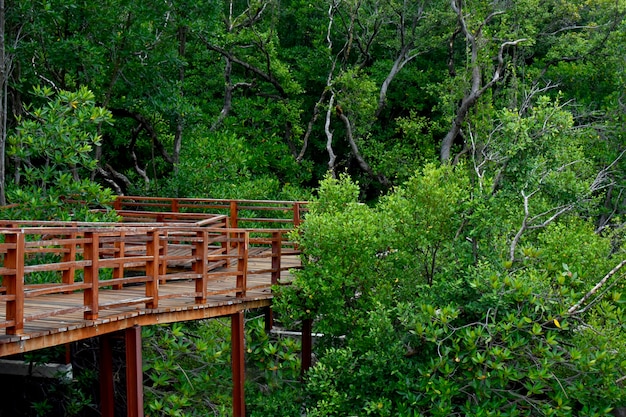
[(238, 365), (134, 373), (14, 283), (91, 275), (107, 393)]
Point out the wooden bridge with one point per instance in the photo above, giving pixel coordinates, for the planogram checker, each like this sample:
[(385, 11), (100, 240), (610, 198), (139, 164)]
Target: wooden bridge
[(169, 260)]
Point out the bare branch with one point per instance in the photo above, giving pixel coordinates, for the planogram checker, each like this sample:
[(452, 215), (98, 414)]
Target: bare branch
[(573, 309), (355, 149), (309, 129), (265, 76), (329, 136), (476, 91)]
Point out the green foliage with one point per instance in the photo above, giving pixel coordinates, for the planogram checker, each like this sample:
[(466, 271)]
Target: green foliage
[(471, 336), (221, 165), (52, 151), (188, 369)]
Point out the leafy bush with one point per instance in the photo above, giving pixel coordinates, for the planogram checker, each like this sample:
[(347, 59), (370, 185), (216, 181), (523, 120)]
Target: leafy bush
[(460, 332)]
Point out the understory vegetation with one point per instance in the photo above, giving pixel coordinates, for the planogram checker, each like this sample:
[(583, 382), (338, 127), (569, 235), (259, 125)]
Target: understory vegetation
[(464, 160)]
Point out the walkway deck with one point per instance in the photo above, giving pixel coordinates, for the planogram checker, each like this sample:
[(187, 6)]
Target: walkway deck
[(63, 282)]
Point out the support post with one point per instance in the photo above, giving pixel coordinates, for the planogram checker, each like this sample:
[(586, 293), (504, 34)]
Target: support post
[(307, 344), (107, 392), (134, 373), (238, 364)]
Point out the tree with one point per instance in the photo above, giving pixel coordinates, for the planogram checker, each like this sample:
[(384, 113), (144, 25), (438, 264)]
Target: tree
[(484, 336), (51, 152)]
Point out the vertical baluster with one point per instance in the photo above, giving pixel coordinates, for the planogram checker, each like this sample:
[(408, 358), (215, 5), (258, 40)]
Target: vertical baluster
[(277, 244), (243, 242), (201, 252), (152, 269), (163, 247), (119, 253), (92, 269), (70, 256)]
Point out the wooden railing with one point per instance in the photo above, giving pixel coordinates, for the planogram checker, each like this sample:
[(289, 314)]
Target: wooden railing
[(246, 213), (63, 259)]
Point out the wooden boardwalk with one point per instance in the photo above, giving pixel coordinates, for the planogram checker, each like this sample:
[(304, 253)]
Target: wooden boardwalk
[(63, 282)]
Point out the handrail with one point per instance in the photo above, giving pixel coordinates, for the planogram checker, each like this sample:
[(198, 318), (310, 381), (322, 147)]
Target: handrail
[(238, 210), (94, 257)]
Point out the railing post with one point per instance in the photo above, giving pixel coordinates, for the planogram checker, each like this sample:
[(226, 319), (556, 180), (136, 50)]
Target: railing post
[(200, 267), (174, 205), (152, 269), (117, 204), (296, 214), (234, 216), (233, 219), (92, 253), (15, 283), (243, 242), (238, 363)]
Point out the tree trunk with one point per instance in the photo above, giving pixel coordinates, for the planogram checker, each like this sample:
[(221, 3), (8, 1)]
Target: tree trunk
[(3, 105)]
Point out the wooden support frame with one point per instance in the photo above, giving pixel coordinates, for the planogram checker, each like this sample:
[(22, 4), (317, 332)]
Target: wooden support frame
[(134, 372), (238, 363), (14, 283)]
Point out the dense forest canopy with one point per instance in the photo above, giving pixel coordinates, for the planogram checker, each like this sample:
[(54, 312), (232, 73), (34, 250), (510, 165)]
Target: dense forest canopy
[(483, 274), (274, 94)]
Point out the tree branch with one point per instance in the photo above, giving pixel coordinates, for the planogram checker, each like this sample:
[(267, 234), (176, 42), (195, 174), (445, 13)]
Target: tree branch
[(265, 76), (573, 309), (329, 136)]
